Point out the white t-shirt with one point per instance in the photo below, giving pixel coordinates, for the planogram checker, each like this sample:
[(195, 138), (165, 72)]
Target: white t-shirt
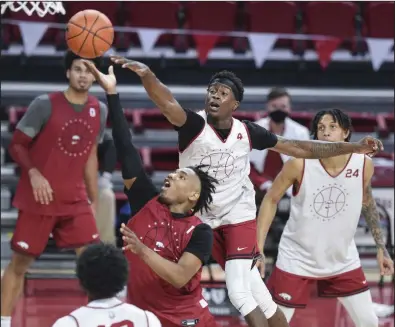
[(108, 313)]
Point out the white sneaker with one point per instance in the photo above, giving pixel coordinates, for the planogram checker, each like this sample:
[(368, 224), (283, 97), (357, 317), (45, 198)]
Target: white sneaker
[(383, 310)]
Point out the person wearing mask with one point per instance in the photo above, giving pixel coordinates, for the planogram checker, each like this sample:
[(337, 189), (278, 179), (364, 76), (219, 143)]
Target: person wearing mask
[(266, 164)]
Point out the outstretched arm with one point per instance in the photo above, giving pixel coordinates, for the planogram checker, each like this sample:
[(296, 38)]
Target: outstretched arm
[(320, 149), (138, 186), (156, 90), (372, 217)]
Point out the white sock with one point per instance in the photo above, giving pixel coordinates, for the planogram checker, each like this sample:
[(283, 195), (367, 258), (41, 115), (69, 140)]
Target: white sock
[(5, 321)]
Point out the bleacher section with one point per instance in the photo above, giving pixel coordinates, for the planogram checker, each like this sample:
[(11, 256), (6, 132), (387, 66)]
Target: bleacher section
[(353, 19)]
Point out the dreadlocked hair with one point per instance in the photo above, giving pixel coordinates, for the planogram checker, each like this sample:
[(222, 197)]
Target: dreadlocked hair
[(207, 189), (231, 76), (338, 116)]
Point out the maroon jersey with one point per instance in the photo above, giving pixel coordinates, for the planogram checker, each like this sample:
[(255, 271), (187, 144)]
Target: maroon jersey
[(169, 237), (60, 151)]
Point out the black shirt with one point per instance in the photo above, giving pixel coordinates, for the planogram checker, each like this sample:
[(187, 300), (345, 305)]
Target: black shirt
[(260, 137), (143, 190)]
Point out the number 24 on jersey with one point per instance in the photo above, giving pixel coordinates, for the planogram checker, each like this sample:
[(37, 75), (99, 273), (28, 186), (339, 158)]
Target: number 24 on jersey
[(352, 173)]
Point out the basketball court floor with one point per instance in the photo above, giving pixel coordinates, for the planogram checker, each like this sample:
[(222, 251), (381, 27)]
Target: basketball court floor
[(47, 298)]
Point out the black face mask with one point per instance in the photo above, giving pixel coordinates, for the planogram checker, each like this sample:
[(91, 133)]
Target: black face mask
[(278, 116)]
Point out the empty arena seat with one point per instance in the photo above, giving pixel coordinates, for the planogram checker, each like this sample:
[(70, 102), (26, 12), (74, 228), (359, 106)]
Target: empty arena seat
[(212, 16), (164, 159), (332, 19), (154, 119), (152, 14), (379, 19), (272, 17)]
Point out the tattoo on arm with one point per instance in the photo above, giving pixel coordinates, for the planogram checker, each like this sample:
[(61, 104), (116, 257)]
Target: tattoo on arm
[(369, 211), (313, 149)]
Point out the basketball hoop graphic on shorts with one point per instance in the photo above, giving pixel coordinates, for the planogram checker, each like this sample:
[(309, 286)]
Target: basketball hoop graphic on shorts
[(30, 7), (328, 202)]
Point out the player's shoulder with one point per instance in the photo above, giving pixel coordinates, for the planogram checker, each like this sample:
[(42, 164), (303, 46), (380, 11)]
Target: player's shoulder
[(103, 107), (42, 98), (294, 164)]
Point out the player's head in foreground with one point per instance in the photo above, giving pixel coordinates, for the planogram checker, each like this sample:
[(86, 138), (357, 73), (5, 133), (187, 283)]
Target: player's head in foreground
[(224, 93), (331, 125), (102, 270), (189, 188), (80, 79)]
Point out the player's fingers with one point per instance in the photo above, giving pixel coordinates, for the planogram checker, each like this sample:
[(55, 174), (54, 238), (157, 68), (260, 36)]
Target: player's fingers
[(111, 70), (35, 193), (49, 193), (118, 59), (41, 196), (126, 228), (127, 248)]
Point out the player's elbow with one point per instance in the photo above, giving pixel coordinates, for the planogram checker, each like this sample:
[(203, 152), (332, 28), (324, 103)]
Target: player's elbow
[(271, 198)]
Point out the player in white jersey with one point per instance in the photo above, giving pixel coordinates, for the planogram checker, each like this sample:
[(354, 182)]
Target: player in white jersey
[(214, 138), (317, 244), (102, 271)]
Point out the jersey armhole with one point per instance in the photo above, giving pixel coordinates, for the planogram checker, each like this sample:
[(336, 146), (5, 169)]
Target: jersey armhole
[(75, 319), (295, 190), (248, 134)]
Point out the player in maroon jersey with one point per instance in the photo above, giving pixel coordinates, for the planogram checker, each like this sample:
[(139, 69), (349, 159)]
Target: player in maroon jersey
[(55, 145), (168, 244)]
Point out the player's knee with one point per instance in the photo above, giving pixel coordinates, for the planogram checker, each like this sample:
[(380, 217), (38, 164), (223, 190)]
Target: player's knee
[(242, 300), (20, 263)]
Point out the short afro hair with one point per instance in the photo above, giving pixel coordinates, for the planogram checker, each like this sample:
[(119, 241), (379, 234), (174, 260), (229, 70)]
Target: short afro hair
[(207, 184), (338, 116), (231, 76), (102, 270), (70, 56)]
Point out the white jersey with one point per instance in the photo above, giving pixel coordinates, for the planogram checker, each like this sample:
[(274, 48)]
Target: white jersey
[(108, 313), (318, 239), (227, 161)]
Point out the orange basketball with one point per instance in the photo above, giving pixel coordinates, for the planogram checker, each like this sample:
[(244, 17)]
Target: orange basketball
[(89, 33)]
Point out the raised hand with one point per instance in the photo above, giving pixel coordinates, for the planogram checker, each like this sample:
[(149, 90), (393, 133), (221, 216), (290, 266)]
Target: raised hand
[(138, 67), (107, 82), (131, 240), (42, 191), (370, 146)]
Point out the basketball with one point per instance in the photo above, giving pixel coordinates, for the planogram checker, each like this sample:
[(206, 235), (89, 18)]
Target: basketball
[(89, 33)]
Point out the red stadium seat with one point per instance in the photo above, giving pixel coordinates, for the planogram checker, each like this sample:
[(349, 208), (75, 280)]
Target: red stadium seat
[(212, 16), (379, 19), (164, 159), (154, 14), (272, 17), (154, 119), (332, 19)]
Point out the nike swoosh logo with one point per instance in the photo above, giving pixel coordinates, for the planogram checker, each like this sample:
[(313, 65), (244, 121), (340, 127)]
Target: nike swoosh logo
[(240, 249), (156, 250)]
